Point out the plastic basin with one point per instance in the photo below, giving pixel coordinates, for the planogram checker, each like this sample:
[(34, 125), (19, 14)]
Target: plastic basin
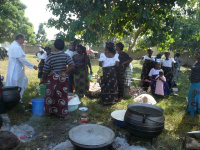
[(38, 107), (72, 108)]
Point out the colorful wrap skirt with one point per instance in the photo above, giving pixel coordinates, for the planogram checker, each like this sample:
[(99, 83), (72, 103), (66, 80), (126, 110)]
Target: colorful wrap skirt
[(120, 79), (109, 86), (56, 100), (194, 99), (81, 81)]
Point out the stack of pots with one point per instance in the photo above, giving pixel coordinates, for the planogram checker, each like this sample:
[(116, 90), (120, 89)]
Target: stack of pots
[(144, 120)]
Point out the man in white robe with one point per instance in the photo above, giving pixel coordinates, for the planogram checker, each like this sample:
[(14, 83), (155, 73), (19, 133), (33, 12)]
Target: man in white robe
[(16, 63)]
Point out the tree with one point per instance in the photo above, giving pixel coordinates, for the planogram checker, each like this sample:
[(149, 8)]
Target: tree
[(13, 21), (96, 20), (181, 33), (41, 35)]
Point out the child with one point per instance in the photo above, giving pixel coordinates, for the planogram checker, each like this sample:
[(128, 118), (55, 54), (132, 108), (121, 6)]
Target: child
[(160, 84)]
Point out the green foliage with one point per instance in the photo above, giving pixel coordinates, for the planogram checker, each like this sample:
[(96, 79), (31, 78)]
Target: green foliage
[(182, 30), (41, 35), (13, 21), (94, 21)]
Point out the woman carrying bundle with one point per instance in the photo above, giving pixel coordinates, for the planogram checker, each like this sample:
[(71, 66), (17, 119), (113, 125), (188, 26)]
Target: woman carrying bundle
[(108, 61)]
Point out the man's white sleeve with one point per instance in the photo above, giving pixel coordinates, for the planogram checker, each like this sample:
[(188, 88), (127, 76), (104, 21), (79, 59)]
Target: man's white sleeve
[(25, 62)]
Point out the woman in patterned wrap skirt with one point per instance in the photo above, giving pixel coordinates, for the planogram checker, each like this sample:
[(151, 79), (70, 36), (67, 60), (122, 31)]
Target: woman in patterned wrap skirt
[(124, 61), (81, 79), (108, 61), (55, 75)]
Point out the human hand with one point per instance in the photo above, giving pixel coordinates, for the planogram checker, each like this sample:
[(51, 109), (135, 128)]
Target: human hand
[(42, 82), (35, 67)]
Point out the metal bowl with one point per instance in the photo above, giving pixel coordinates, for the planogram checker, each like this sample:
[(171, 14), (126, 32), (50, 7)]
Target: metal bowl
[(91, 136)]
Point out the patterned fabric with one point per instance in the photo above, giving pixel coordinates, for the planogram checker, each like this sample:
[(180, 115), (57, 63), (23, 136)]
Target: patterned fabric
[(109, 88), (56, 62), (195, 74), (120, 79), (169, 75), (128, 76), (56, 101), (147, 66), (81, 81), (194, 99)]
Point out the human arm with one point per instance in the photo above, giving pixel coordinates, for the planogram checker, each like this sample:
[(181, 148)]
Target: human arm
[(26, 63), (101, 59), (90, 66)]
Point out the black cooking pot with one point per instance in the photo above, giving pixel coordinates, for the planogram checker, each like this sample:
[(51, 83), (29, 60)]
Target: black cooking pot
[(144, 120), (11, 94)]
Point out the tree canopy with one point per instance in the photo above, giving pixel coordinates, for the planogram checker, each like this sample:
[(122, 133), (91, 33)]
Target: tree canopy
[(41, 35), (96, 20), (13, 21)]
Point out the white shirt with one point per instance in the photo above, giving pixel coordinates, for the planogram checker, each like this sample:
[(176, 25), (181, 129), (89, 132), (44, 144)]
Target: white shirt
[(153, 72), (71, 53), (108, 62), (148, 58), (167, 63)]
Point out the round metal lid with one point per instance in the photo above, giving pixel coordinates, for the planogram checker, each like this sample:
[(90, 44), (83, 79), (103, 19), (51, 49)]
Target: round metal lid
[(91, 136)]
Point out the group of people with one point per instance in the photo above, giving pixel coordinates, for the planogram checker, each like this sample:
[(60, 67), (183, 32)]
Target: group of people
[(160, 73), (117, 73), (62, 70)]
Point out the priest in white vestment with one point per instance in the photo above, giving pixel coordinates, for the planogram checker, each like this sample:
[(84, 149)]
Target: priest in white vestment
[(16, 63)]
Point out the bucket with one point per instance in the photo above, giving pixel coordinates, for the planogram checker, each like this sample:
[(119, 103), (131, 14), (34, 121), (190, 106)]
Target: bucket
[(42, 90), (38, 107)]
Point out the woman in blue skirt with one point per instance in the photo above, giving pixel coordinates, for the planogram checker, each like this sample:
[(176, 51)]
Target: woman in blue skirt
[(194, 92)]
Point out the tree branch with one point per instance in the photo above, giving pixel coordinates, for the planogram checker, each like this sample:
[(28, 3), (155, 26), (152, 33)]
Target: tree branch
[(137, 34)]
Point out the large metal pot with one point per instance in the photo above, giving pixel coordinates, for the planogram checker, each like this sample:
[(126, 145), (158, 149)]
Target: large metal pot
[(91, 137), (11, 94), (144, 120)]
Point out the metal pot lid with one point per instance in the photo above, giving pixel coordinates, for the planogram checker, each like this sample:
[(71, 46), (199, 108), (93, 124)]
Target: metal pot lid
[(91, 136), (145, 109)]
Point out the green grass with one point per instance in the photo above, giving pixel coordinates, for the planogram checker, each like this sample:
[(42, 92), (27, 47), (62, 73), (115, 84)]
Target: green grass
[(52, 129)]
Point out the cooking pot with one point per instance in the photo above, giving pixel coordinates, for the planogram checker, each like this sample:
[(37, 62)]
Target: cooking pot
[(144, 120), (91, 137), (11, 94)]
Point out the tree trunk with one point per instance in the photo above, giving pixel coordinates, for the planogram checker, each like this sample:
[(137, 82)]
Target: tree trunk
[(137, 34)]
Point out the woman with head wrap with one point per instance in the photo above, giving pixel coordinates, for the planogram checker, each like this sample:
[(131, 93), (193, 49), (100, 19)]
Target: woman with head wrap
[(168, 68), (177, 67), (124, 74), (108, 61), (81, 80), (194, 92), (55, 74), (147, 66)]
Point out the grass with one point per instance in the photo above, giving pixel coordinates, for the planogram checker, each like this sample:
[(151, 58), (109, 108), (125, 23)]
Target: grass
[(52, 130)]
